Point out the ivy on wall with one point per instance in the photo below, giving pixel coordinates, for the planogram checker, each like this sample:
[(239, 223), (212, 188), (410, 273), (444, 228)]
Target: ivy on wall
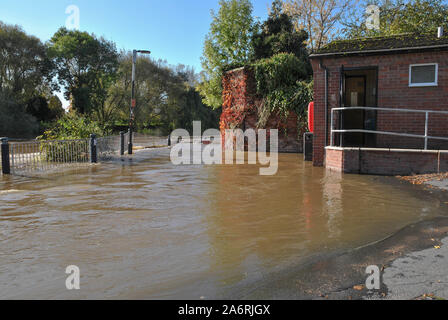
[(278, 85), (232, 116), (279, 89)]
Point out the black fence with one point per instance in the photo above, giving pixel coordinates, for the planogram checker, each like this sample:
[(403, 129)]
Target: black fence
[(43, 156)]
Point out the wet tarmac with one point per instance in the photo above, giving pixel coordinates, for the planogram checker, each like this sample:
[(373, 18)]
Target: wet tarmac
[(147, 229)]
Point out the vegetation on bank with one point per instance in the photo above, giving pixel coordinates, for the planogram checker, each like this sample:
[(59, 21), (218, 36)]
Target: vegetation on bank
[(398, 17), (73, 126), (96, 79), (274, 50)]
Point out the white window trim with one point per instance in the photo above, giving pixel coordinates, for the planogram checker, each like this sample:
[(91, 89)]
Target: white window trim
[(424, 84)]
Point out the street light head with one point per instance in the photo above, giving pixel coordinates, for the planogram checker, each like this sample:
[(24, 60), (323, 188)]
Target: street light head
[(144, 51)]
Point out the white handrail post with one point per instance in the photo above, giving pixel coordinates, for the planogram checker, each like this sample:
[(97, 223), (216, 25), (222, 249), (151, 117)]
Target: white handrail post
[(331, 129), (426, 130)]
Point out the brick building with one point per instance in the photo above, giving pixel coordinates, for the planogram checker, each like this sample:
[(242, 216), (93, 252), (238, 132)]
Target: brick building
[(371, 78), (239, 94)]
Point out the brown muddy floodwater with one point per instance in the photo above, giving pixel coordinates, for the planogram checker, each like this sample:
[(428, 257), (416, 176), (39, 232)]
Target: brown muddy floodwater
[(153, 230)]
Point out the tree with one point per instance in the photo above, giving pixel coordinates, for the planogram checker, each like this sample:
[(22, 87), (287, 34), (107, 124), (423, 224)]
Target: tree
[(45, 110), (25, 80), (276, 8), (72, 125), (192, 109), (399, 16), (319, 18), (14, 121), (38, 108), (190, 106), (227, 44), (55, 106), (24, 67), (165, 96), (283, 82), (86, 67), (278, 35), (155, 87)]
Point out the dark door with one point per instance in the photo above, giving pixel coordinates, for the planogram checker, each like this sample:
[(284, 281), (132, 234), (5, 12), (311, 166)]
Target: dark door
[(354, 96)]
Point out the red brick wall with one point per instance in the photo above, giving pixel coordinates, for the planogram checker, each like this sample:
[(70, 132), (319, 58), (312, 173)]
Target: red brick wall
[(242, 86), (243, 96), (343, 161), (393, 92), (385, 161), (319, 114), (333, 160)]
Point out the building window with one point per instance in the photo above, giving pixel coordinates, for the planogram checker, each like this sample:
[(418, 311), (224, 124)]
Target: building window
[(423, 75)]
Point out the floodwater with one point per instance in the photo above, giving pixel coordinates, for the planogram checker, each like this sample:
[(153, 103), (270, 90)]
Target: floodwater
[(152, 230)]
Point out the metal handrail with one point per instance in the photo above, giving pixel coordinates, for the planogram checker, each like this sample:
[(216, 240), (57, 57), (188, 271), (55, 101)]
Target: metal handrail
[(425, 136)]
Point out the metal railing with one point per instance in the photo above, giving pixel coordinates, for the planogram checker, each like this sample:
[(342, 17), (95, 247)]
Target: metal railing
[(197, 139), (107, 147), (147, 141), (425, 136), (43, 156), (47, 155)]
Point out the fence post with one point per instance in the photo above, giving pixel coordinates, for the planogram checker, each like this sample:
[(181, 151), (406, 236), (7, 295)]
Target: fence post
[(93, 153), (130, 142), (6, 168), (121, 143)]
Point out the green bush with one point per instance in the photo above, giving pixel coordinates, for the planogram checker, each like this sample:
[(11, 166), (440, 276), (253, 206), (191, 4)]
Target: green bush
[(73, 126), (282, 82), (65, 151)]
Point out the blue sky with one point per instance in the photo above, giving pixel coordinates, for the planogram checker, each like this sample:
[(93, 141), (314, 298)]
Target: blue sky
[(172, 29)]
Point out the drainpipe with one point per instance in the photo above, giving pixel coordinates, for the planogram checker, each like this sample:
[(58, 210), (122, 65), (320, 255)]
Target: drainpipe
[(326, 101)]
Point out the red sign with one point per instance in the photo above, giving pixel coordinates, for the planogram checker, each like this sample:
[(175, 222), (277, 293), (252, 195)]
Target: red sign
[(311, 117), (133, 103)]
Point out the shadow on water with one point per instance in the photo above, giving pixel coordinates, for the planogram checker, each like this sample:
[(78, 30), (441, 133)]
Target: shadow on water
[(153, 230)]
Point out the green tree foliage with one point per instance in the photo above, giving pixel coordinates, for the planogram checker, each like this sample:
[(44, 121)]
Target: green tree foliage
[(86, 67), (55, 106), (282, 68), (227, 44), (97, 81), (278, 35), (193, 109), (25, 77), (283, 81), (165, 96), (45, 110), (399, 16), (156, 90), (38, 108), (24, 66), (14, 121), (73, 125)]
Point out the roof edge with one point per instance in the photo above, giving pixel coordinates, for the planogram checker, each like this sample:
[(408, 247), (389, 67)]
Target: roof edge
[(360, 52)]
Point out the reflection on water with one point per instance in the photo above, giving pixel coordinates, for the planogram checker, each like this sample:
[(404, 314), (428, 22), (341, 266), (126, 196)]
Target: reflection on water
[(154, 230)]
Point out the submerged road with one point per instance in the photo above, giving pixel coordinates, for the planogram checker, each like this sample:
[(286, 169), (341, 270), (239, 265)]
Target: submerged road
[(147, 229)]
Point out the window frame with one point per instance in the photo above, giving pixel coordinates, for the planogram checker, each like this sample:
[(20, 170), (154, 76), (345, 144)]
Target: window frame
[(424, 84)]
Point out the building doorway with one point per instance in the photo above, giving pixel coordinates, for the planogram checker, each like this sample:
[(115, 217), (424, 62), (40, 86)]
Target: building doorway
[(359, 88)]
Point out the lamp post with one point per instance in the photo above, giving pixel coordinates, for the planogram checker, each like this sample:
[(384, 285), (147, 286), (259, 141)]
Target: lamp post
[(132, 108)]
